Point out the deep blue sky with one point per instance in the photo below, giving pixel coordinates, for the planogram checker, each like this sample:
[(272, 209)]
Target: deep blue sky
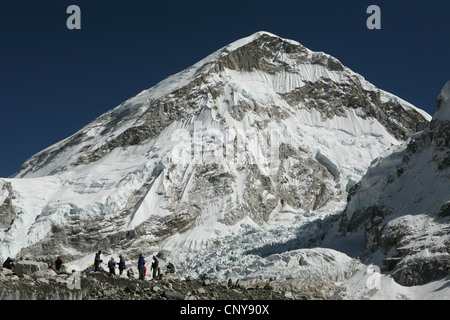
[(53, 81)]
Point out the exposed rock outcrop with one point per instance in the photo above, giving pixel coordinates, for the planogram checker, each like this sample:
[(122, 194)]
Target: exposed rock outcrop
[(402, 206)]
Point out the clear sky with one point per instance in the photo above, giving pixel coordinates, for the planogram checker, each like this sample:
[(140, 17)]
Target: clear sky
[(53, 80)]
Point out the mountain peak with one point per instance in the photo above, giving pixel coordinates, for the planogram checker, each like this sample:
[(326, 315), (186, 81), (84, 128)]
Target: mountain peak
[(258, 127), (443, 104), (241, 42)]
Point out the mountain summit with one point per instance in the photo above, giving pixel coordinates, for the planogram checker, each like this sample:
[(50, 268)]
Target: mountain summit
[(240, 150)]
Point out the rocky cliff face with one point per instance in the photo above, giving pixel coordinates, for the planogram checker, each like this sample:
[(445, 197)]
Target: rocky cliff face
[(262, 128), (402, 205)]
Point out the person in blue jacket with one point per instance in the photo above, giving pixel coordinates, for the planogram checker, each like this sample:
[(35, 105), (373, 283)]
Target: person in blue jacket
[(112, 266), (141, 267)]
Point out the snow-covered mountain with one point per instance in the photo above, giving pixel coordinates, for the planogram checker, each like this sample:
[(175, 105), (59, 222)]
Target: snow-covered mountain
[(402, 205), (231, 167)]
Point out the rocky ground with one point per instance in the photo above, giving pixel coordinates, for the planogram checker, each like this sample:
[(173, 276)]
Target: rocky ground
[(105, 287), (37, 283)]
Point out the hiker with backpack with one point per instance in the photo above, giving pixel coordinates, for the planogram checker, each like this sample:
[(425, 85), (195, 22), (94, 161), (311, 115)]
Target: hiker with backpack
[(58, 263), (112, 266), (9, 263), (122, 265)]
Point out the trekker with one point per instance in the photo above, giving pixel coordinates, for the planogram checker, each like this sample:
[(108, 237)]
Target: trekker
[(8, 264), (122, 265), (97, 261), (155, 267), (141, 267), (112, 266), (58, 263), (170, 268)]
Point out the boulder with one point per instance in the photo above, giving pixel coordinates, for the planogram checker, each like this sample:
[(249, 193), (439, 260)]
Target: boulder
[(170, 276), (156, 289), (5, 272), (174, 295), (29, 268), (201, 291), (206, 282)]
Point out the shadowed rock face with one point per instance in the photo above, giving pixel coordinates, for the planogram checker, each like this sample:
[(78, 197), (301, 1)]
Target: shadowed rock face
[(172, 197), (7, 212), (420, 271), (410, 229)]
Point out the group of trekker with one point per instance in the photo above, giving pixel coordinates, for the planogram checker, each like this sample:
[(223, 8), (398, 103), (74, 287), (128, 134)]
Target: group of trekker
[(111, 263), (143, 269), (155, 269)]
